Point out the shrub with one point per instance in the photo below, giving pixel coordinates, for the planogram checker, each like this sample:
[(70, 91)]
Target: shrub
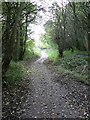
[(76, 63), (14, 74), (53, 54)]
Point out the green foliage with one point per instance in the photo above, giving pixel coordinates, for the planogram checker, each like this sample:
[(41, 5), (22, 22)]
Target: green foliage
[(75, 63), (37, 52), (73, 60), (14, 74), (16, 19), (30, 54), (70, 26), (82, 78), (48, 42), (53, 54)]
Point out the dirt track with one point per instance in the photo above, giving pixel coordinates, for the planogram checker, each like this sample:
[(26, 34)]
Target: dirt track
[(48, 98)]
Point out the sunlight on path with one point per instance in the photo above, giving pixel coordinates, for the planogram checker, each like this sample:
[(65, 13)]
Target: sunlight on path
[(43, 57)]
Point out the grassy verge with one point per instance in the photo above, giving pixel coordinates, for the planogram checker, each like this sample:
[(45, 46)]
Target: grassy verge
[(14, 92), (80, 77), (75, 64), (14, 74)]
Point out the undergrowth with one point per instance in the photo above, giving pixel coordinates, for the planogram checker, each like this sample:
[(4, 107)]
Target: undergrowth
[(75, 64), (14, 74), (53, 54), (30, 55), (30, 52)]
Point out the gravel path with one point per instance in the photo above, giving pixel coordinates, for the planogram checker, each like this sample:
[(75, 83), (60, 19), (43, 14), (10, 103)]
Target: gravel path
[(48, 98)]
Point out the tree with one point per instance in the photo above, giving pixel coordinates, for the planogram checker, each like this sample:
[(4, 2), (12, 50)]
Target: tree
[(13, 15), (71, 26), (60, 26)]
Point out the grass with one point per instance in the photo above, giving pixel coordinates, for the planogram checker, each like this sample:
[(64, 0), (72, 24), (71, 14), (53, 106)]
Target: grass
[(80, 77), (75, 64), (14, 74), (53, 54)]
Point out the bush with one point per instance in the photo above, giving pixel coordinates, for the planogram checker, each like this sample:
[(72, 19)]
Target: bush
[(14, 74), (29, 55), (53, 54), (30, 52), (72, 63), (76, 63), (73, 60)]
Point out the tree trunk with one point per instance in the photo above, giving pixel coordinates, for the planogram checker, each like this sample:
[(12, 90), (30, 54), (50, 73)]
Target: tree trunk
[(89, 32), (9, 52), (72, 49), (21, 44), (60, 52), (75, 25), (11, 40), (73, 6), (15, 56), (25, 36)]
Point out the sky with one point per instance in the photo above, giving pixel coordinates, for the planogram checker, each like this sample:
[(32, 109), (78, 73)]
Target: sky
[(43, 17)]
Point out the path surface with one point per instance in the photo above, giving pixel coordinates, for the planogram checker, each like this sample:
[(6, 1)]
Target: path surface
[(48, 98)]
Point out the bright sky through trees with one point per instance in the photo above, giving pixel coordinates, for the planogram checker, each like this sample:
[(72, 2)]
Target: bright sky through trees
[(43, 17)]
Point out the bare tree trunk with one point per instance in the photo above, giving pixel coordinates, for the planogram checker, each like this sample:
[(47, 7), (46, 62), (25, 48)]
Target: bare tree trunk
[(60, 52), (73, 6), (16, 48), (75, 25), (89, 32), (11, 40), (21, 44), (25, 36), (8, 56)]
